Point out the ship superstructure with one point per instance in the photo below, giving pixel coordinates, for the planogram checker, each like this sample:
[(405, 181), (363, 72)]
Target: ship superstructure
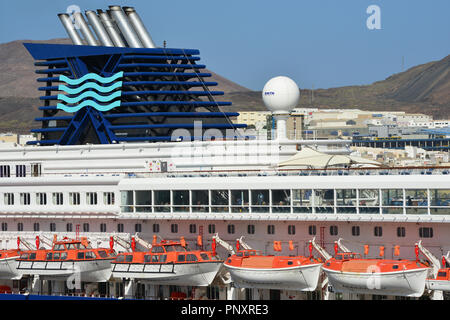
[(128, 148)]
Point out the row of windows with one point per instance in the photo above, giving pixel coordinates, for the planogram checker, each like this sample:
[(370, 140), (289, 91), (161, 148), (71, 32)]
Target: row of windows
[(58, 198), (289, 200), (424, 232), (21, 170)]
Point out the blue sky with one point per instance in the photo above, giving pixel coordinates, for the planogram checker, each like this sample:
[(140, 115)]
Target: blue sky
[(320, 43)]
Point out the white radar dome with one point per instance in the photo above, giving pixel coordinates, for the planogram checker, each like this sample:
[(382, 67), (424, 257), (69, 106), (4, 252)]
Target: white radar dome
[(281, 95)]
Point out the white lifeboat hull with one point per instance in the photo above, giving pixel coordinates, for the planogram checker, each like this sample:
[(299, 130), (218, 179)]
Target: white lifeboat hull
[(442, 285), (180, 274), (8, 269), (409, 283), (86, 271), (300, 278)]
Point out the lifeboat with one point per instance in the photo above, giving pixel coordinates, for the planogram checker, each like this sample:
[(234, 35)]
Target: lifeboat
[(249, 268), (8, 264), (348, 272), (68, 258), (442, 279), (168, 263)]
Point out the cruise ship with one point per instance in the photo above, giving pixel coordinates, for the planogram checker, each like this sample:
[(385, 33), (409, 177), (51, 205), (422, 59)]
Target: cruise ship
[(135, 147)]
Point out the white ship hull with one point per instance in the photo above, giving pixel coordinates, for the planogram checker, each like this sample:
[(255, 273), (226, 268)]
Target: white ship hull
[(409, 283), (86, 271), (8, 269), (301, 278), (187, 274), (443, 285)]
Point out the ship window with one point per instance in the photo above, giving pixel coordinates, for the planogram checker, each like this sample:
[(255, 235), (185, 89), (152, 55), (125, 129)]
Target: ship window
[(231, 228), (192, 228), (120, 258), (129, 258), (120, 227), (440, 197), (219, 200), (24, 256), (211, 228), (251, 229), (162, 258), (52, 226), (138, 227), (63, 255), (392, 197), (69, 227), (302, 201), (333, 230), (181, 258), (157, 249), (260, 200), (281, 201), (4, 226), (200, 200), (442, 274), (289, 263), (291, 229), (74, 198), (162, 200), (108, 198), (36, 226), (174, 228), (378, 231), (49, 256), (355, 231), (85, 227), (147, 258), (155, 258), (191, 257), (271, 229), (416, 197), (56, 255), (346, 200), (312, 230), (91, 198), (36, 169), (5, 171), (126, 199), (9, 198), (58, 247), (426, 232), (41, 198), (57, 198), (143, 201), (401, 232), (21, 170), (239, 254), (32, 256), (20, 226), (180, 200), (204, 256), (239, 200), (323, 200), (155, 227), (25, 198), (395, 266), (102, 227), (80, 255)]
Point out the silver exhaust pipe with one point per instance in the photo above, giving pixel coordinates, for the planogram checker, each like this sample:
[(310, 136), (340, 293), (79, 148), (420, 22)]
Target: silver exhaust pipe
[(70, 29), (139, 27), (99, 29), (111, 29), (125, 27), (87, 33)]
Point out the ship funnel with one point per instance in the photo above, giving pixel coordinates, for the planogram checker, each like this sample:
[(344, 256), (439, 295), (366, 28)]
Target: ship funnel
[(87, 34), (139, 27), (99, 29), (111, 29), (70, 29), (125, 27)]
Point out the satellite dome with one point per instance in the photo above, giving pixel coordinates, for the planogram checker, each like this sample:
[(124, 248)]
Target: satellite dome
[(281, 95)]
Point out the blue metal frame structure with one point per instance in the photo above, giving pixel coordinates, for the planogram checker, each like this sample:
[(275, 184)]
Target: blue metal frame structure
[(161, 92)]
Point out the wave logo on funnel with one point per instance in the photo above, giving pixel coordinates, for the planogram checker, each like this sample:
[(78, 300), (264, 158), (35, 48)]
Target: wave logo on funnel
[(91, 90)]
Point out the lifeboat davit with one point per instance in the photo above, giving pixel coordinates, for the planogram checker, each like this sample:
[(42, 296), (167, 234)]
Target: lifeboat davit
[(8, 264), (348, 272), (251, 269), (68, 258), (168, 263)]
